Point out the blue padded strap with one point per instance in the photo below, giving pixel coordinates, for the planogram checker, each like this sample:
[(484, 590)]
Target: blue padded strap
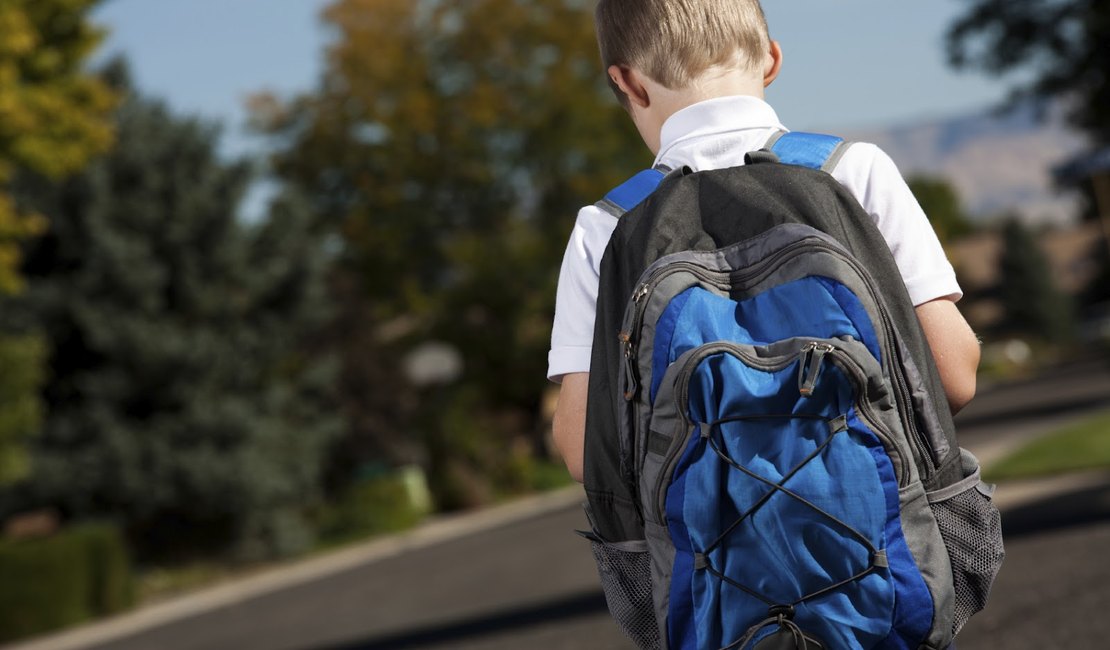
[(630, 193), (811, 150)]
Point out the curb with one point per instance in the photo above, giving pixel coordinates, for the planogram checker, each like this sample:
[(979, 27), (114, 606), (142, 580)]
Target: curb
[(440, 529), (1010, 495)]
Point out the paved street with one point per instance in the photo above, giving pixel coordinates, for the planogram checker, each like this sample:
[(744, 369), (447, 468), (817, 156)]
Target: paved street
[(530, 583), (1054, 587)]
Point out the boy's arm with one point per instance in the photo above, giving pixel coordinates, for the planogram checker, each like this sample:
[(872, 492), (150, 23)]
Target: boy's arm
[(569, 423), (875, 181), (955, 349)]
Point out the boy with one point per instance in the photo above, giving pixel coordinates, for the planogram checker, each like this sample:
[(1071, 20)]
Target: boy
[(691, 74)]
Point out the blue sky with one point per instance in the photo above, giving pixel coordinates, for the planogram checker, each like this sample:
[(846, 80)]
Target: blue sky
[(848, 63)]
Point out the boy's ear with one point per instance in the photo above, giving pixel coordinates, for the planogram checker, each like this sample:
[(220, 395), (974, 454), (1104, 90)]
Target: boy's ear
[(629, 81), (773, 64)]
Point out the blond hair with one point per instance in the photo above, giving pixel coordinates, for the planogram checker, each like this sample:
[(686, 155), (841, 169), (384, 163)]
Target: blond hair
[(676, 41)]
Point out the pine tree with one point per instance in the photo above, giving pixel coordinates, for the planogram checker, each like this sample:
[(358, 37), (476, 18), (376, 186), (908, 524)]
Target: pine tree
[(1031, 302), (181, 400)]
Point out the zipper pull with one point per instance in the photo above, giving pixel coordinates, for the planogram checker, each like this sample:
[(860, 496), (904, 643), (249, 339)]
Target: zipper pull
[(631, 381), (809, 366)]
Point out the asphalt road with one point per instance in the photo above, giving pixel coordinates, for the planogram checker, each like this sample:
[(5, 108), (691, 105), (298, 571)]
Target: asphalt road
[(532, 584)]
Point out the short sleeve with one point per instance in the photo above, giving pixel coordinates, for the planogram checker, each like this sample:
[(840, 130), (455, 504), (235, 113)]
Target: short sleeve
[(873, 178), (576, 297)]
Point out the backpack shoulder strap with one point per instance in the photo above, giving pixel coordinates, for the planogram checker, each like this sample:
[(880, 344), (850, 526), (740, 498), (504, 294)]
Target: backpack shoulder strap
[(633, 191), (813, 150)]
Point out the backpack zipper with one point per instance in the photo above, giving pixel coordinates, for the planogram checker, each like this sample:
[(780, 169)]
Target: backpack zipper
[(682, 398), (867, 414), (894, 357), (809, 365), (719, 279), (724, 280)]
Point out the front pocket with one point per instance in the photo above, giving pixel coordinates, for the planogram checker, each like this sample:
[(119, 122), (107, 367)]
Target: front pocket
[(971, 528), (625, 572)]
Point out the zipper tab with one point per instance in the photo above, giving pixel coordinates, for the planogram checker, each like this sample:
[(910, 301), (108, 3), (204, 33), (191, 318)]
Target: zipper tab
[(809, 366), (631, 381), (641, 291)]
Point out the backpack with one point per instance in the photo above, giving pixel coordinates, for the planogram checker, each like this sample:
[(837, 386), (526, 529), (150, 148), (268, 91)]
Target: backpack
[(770, 461)]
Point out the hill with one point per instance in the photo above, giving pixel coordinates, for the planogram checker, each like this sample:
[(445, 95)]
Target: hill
[(997, 162)]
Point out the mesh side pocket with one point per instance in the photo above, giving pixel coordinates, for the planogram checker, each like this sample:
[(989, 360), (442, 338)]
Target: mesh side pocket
[(625, 571), (971, 528)]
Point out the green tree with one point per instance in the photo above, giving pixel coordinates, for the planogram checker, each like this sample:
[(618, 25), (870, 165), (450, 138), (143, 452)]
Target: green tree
[(22, 359), (182, 401), (450, 144), (942, 205), (1061, 44), (54, 115), (1031, 302)]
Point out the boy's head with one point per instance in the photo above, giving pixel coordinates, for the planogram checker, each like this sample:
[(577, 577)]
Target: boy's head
[(675, 42)]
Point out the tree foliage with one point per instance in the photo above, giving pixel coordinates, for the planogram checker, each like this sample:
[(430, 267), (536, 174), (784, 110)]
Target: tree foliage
[(21, 357), (942, 205), (180, 399), (54, 115), (1062, 44), (1031, 302), (449, 145)]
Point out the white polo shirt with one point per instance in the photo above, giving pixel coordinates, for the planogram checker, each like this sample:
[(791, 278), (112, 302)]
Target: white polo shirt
[(716, 134)]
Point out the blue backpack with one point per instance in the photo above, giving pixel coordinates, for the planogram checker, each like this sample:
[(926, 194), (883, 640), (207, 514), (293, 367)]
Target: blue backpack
[(770, 459)]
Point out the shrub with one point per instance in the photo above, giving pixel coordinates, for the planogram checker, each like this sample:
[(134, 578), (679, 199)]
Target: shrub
[(111, 587), (376, 505), (57, 581)]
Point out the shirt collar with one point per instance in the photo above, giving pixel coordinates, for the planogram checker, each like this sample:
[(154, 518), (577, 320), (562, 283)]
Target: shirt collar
[(716, 116)]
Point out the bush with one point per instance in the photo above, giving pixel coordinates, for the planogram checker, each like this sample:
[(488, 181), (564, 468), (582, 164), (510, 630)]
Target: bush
[(375, 505), (111, 584), (57, 581)]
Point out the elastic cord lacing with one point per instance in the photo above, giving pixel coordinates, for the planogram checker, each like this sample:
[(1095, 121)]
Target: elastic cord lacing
[(781, 613)]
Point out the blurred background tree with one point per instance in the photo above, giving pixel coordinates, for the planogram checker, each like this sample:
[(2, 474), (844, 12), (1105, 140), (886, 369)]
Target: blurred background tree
[(942, 205), (54, 116), (1031, 302), (1060, 45), (447, 149), (1059, 48), (181, 401)]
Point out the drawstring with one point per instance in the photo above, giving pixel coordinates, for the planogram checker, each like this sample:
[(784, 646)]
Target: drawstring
[(779, 615)]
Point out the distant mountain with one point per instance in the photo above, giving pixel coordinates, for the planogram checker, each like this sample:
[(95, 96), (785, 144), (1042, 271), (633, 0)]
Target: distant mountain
[(997, 163)]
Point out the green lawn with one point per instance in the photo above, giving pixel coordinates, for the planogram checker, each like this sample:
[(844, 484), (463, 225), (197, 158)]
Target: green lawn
[(1081, 446)]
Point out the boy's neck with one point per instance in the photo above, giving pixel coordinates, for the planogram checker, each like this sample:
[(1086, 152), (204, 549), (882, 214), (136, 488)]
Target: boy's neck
[(665, 102)]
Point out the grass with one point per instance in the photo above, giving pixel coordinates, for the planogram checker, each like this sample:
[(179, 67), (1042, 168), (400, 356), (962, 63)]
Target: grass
[(1081, 446), (549, 475), (160, 583)]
